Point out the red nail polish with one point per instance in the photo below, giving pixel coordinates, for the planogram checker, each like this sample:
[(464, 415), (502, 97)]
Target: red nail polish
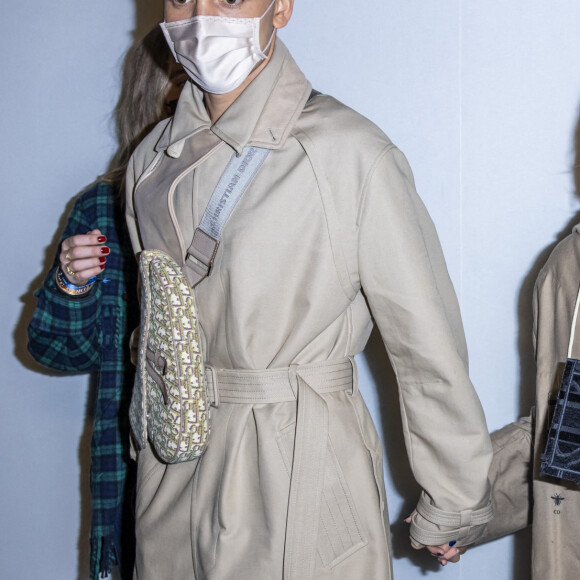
[(101, 239), (105, 250), (102, 267), (102, 260)]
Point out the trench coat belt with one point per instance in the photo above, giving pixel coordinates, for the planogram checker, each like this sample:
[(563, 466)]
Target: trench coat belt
[(304, 384)]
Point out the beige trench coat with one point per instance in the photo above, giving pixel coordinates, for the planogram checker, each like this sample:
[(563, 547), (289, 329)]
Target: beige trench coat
[(329, 237), (518, 491), (556, 512)]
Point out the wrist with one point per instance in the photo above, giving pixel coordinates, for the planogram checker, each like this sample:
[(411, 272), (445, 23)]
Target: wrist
[(71, 289)]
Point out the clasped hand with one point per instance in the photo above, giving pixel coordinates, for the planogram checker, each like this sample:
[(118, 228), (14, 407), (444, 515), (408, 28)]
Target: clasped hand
[(444, 553), (83, 256)]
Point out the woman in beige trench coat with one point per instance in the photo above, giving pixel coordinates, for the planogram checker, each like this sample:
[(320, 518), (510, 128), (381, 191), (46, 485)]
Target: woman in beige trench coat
[(556, 503), (329, 238), (519, 490)]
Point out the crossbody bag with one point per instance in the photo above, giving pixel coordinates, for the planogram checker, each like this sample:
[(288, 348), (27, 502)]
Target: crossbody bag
[(170, 406)]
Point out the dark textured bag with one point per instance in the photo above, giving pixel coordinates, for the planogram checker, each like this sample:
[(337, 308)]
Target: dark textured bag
[(561, 458)]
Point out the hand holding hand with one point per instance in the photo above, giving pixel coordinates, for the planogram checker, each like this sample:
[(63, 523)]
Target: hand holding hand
[(83, 256), (444, 553)]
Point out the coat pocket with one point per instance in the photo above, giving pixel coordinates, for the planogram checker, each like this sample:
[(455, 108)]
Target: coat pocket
[(339, 530)]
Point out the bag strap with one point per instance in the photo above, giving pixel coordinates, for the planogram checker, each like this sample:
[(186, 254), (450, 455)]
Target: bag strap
[(235, 180), (575, 332)]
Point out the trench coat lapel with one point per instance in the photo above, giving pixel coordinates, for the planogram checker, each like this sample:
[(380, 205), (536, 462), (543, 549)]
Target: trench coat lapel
[(262, 116)]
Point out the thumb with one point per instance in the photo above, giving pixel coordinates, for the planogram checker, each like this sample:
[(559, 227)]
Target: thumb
[(409, 518)]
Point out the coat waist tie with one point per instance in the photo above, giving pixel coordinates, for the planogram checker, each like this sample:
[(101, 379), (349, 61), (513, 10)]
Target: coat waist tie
[(304, 384)]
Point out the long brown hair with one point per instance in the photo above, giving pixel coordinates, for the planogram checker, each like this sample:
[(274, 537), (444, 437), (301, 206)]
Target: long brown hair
[(141, 104)]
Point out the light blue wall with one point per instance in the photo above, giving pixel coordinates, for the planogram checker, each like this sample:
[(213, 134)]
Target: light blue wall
[(483, 99), (60, 80)]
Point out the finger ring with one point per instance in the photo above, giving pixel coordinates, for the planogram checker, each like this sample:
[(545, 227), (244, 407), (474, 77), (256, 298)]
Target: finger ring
[(67, 257), (70, 271)]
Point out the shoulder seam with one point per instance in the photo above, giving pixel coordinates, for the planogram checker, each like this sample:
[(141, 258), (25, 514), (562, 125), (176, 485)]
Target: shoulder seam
[(383, 153)]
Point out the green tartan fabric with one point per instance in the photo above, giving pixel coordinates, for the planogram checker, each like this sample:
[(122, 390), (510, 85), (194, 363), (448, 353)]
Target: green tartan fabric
[(91, 334)]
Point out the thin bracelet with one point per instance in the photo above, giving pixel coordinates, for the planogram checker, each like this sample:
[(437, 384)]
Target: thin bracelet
[(65, 286)]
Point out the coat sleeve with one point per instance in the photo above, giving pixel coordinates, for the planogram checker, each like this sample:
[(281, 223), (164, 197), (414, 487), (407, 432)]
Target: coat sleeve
[(510, 477), (405, 279), (64, 332)]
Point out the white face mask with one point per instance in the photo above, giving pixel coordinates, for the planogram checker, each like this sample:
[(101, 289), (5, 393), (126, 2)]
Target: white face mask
[(217, 52)]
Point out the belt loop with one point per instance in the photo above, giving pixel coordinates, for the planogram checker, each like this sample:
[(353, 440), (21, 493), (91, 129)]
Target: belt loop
[(354, 390), (293, 379), (214, 379), (465, 518)]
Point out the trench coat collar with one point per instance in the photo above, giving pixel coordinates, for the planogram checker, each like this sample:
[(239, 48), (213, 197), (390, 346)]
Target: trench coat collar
[(262, 115)]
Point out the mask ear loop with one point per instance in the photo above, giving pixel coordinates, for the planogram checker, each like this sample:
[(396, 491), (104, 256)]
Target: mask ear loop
[(268, 9), (263, 52), (265, 49)]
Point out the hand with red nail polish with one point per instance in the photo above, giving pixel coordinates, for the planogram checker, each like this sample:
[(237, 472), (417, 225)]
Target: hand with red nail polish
[(82, 256)]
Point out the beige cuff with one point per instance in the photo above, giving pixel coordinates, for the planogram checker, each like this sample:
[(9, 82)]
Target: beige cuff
[(432, 526)]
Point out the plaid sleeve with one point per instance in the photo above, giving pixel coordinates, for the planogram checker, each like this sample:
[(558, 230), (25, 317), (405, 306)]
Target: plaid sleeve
[(64, 332)]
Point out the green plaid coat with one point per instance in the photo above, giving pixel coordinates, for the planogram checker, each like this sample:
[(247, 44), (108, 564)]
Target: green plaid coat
[(90, 334)]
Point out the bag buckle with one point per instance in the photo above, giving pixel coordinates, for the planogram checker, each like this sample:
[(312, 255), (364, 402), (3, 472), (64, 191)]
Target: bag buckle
[(200, 257)]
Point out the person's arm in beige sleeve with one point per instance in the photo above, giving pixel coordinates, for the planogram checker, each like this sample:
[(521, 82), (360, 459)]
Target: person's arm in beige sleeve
[(405, 279)]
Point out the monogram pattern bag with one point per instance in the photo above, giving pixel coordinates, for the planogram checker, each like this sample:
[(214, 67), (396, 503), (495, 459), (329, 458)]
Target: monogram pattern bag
[(172, 408)]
